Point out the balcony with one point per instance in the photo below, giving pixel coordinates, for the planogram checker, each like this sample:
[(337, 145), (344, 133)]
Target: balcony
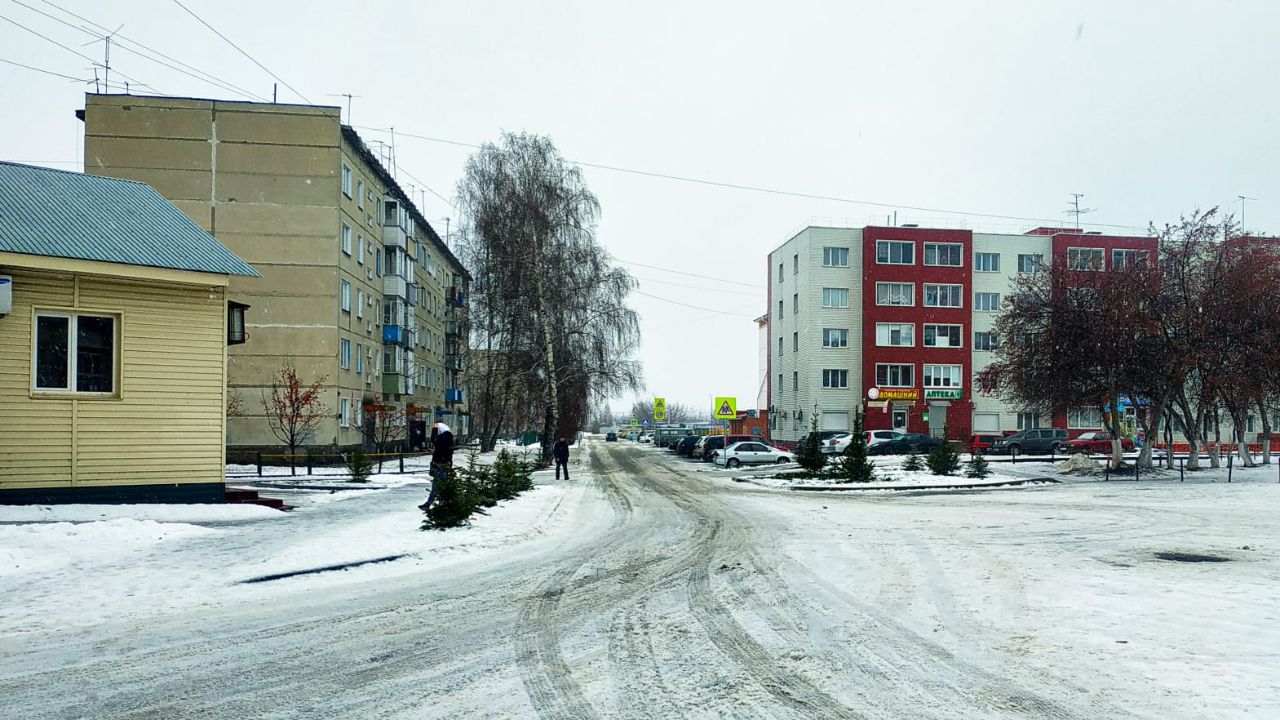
[(394, 286), (453, 395), (397, 335), (457, 298), (393, 383), (395, 236), (452, 362), (455, 328)]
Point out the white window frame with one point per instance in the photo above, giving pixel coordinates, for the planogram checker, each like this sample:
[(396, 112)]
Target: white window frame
[(344, 289), (986, 262), (346, 180), (835, 378), (952, 290), (884, 334), (360, 194), (359, 303), (1132, 257), (980, 304), (888, 382), (72, 318), (943, 376), (841, 333), (1088, 254), (889, 288), (357, 411), (359, 361), (956, 248), (959, 335), (1034, 262), (1077, 417), (344, 412), (830, 255), (346, 239), (344, 354), (829, 295), (890, 245), (1028, 420), (359, 248), (990, 342)]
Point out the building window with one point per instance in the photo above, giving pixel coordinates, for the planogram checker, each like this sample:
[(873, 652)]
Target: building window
[(835, 297), (346, 295), (986, 262), (835, 257), (779, 347), (1121, 258), (942, 335), (1084, 258), (360, 194), (377, 262), (1249, 424), (895, 252), (780, 386), (75, 353), (344, 412), (943, 295), (892, 375), (795, 342), (359, 303), (780, 278), (986, 302), (795, 264), (344, 356), (780, 315), (944, 254), (902, 294), (942, 376), (346, 238), (795, 380), (359, 364), (984, 341), (835, 338), (1028, 420), (358, 411), (1030, 263), (1084, 418), (795, 303), (346, 180), (895, 334), (360, 248), (835, 378)]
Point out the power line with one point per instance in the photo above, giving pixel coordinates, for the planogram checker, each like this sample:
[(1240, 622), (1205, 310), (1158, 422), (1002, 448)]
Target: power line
[(241, 51), (697, 287), (694, 307), (428, 187), (208, 78), (682, 272), (46, 72), (71, 50)]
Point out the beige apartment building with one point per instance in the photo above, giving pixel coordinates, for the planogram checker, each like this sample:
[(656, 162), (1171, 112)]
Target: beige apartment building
[(356, 286)]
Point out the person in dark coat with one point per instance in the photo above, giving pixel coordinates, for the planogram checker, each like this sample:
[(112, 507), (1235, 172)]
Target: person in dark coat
[(441, 458), (560, 451)]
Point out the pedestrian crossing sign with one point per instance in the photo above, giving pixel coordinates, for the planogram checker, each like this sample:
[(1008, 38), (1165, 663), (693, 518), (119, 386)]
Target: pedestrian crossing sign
[(726, 408), (659, 409)]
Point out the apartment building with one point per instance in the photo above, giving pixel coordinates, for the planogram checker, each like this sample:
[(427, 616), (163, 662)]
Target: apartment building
[(896, 322), (357, 288)]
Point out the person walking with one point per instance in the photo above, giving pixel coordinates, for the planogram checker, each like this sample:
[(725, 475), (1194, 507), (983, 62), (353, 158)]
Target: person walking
[(560, 451), (441, 459)]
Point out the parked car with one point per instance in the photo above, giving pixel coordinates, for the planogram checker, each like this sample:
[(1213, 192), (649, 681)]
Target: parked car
[(840, 443), (1096, 442), (823, 436), (836, 443), (751, 452), (982, 442), (714, 443), (909, 443), (646, 438), (1035, 441), (686, 445), (611, 437)]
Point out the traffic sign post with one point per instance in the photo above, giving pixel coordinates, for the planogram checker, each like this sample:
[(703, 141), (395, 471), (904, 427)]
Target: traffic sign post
[(726, 408), (659, 409)]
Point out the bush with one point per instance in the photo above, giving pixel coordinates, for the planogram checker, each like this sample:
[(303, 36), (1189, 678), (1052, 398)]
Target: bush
[(455, 501), (912, 463), (977, 467), (809, 451), (943, 460), (467, 490), (854, 466), (360, 466)]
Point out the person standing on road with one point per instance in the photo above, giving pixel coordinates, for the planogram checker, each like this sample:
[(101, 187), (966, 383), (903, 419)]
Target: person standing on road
[(560, 451), (441, 459)]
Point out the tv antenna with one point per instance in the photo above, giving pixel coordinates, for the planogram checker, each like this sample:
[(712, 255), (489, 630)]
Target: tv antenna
[(1075, 208), (348, 96), (106, 57), (1243, 229)]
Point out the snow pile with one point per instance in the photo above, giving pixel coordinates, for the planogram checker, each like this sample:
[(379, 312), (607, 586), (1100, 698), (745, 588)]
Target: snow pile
[(45, 547), (1079, 464), (162, 513)]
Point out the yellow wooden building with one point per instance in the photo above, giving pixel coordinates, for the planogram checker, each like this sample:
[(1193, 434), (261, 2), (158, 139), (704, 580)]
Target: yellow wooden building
[(114, 325)]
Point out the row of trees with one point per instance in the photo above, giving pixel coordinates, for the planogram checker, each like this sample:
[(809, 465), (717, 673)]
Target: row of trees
[(551, 331), (1193, 333)]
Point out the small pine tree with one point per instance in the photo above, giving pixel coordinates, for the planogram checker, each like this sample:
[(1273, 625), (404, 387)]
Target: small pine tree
[(854, 465), (912, 463), (809, 451), (456, 500), (977, 467), (943, 460), (360, 466)]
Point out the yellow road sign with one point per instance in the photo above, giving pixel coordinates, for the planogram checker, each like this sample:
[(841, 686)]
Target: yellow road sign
[(726, 408), (659, 409)]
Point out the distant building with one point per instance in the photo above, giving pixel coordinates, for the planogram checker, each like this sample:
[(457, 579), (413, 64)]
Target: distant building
[(357, 287), (896, 321), (114, 324)]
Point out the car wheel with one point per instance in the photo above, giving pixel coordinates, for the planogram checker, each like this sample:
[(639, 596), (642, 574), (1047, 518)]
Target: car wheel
[(733, 462), (1061, 448), (782, 460), (1015, 449)]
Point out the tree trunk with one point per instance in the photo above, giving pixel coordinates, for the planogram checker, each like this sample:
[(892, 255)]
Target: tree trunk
[(1215, 451), (1151, 432), (1265, 437), (1117, 447), (549, 354), (1238, 421)]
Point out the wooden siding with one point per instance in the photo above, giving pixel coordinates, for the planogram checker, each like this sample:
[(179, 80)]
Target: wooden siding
[(166, 426)]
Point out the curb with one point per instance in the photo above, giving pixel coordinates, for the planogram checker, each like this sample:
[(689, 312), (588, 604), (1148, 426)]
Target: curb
[(957, 486)]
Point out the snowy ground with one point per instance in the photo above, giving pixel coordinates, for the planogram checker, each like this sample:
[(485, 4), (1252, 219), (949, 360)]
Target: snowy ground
[(645, 588)]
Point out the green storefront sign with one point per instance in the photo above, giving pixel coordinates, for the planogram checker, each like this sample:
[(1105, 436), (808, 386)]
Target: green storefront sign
[(943, 394)]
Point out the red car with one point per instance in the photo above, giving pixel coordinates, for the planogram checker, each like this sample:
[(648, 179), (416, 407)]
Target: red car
[(1096, 442), (982, 441)]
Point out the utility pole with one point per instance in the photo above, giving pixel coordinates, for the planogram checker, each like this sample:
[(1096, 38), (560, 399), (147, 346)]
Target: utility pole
[(1243, 230), (1076, 210)]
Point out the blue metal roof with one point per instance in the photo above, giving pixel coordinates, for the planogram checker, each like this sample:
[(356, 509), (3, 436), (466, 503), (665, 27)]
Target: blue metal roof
[(55, 213)]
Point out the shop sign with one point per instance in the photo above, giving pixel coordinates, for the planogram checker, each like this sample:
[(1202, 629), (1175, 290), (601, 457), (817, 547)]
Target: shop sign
[(898, 394), (943, 394)]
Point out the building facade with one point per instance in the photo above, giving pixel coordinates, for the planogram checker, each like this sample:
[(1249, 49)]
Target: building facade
[(114, 328), (897, 321), (357, 289)]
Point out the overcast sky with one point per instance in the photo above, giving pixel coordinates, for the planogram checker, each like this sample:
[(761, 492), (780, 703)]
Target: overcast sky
[(1150, 109)]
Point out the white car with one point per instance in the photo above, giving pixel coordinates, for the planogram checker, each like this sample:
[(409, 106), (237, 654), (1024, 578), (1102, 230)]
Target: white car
[(749, 453), (646, 438), (838, 444)]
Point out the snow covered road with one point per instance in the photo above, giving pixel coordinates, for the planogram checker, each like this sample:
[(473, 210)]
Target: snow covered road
[(643, 589)]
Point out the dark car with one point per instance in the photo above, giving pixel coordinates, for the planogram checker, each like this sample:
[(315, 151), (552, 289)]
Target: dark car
[(823, 436), (611, 437), (686, 445), (716, 442), (910, 443), (1034, 441)]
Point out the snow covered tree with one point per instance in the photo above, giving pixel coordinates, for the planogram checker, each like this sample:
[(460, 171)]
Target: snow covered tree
[(977, 467), (944, 459), (854, 465), (809, 450)]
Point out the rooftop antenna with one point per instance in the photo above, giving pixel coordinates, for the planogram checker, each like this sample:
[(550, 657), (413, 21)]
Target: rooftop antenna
[(1076, 210), (106, 59), (1243, 229), (446, 230), (348, 96)]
